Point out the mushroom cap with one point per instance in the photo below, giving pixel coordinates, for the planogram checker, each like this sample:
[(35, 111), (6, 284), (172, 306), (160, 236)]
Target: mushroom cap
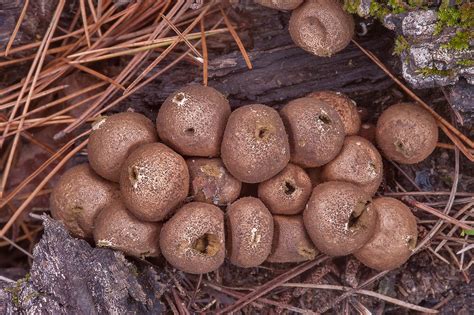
[(280, 4), (359, 163), (255, 144), (115, 227), (394, 239), (321, 27), (211, 182), (250, 232), (345, 107), (339, 218), (192, 120), (291, 243), (78, 197), (406, 133), (287, 192), (315, 130), (193, 239), (154, 180), (113, 138)]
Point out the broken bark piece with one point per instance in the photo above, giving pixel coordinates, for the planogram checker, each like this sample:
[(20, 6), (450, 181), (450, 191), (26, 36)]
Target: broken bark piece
[(68, 276)]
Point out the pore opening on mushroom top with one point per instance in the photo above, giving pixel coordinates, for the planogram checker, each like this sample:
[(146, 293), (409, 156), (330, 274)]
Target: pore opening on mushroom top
[(207, 244), (324, 118), (190, 131), (289, 188)]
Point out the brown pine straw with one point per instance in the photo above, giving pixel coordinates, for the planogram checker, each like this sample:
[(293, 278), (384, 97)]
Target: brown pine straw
[(84, 22), (237, 39), (36, 96), (40, 169), (270, 285), (181, 36), (36, 68), (17, 27), (40, 186), (440, 119), (362, 292), (96, 74), (205, 75)]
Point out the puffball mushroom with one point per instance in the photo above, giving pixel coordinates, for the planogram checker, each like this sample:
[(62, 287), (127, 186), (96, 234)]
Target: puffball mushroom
[(321, 27), (345, 107), (394, 239), (287, 192), (250, 232), (406, 133), (255, 144), (280, 4), (154, 180), (339, 218), (115, 227), (78, 197), (193, 239), (315, 130), (113, 138), (359, 163), (291, 243), (211, 182), (192, 120)]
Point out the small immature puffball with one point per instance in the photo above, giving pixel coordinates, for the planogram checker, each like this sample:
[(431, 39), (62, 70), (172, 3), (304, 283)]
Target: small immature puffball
[(345, 107), (193, 239), (321, 27), (339, 218), (113, 138), (192, 120), (154, 180), (359, 163), (78, 197), (315, 130), (406, 133), (394, 239), (255, 144), (287, 192), (280, 4), (291, 243), (115, 227), (211, 182), (250, 232)]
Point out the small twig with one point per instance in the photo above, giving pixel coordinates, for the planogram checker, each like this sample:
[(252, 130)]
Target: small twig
[(9, 241), (2, 278), (204, 54)]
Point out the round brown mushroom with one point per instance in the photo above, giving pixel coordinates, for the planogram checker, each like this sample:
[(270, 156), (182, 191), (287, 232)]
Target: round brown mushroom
[(394, 239), (291, 243), (255, 144), (285, 5), (315, 130), (211, 182), (193, 239), (78, 197), (250, 232), (321, 27), (406, 133), (154, 180), (192, 120), (359, 163), (345, 107), (287, 192), (115, 227), (113, 138), (339, 218)]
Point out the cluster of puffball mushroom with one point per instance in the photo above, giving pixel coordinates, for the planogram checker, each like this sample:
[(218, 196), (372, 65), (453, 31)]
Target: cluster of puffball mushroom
[(314, 181)]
